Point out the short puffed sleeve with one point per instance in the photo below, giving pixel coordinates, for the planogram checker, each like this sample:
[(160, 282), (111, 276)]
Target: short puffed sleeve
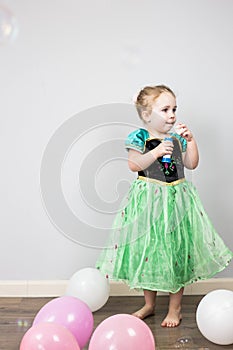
[(136, 140)]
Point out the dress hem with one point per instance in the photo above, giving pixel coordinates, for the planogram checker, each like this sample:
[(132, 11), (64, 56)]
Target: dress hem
[(144, 287)]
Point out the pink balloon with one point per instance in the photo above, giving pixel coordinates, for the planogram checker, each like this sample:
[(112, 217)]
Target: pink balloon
[(71, 313), (123, 332), (48, 336)]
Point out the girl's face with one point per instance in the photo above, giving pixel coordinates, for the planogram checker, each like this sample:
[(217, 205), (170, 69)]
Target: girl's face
[(163, 115)]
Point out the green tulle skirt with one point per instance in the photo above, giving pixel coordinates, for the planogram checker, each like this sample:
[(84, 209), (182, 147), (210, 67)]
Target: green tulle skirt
[(162, 239)]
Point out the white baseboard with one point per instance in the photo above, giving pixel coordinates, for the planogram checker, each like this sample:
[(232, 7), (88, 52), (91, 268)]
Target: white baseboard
[(47, 288)]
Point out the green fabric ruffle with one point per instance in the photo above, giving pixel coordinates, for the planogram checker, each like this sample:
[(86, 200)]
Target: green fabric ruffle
[(162, 239)]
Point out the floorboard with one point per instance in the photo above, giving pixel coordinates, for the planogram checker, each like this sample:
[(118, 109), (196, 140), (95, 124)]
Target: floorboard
[(17, 314)]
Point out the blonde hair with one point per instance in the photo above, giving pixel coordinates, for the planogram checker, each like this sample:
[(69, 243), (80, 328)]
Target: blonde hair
[(147, 97)]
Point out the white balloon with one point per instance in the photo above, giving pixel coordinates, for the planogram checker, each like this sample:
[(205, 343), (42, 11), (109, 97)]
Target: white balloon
[(90, 286), (214, 316)]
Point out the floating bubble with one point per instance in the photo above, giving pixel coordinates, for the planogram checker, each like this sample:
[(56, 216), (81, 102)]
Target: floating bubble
[(184, 342), (8, 25), (22, 323)]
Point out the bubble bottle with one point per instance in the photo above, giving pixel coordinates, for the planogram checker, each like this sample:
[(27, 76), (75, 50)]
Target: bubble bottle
[(167, 157)]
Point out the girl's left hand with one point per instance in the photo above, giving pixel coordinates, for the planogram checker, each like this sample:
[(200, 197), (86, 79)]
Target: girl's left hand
[(184, 132)]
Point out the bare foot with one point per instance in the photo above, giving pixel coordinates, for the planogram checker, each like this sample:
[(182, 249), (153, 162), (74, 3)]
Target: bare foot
[(144, 312), (172, 319)]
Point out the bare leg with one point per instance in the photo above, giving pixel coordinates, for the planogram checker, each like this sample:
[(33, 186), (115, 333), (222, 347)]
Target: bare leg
[(174, 316), (149, 307)]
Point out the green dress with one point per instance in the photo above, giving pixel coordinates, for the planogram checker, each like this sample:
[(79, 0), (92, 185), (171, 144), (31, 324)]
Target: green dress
[(162, 238)]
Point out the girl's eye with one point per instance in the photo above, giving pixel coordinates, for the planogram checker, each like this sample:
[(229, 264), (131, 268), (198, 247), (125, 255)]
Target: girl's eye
[(167, 109)]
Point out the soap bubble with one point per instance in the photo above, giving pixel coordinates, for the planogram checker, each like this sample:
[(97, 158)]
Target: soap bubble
[(184, 342), (23, 323), (8, 25)]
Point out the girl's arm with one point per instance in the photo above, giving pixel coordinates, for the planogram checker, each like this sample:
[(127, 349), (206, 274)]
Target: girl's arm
[(191, 156), (139, 161)]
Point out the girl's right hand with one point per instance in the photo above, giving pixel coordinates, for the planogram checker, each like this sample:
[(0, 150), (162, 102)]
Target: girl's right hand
[(165, 147)]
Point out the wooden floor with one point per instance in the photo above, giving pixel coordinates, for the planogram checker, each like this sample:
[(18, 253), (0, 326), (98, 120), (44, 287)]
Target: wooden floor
[(17, 314)]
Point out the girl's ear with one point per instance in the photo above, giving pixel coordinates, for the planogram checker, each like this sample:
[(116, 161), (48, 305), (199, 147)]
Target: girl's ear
[(146, 117)]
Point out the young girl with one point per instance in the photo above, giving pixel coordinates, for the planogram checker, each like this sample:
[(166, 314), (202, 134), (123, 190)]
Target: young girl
[(162, 238)]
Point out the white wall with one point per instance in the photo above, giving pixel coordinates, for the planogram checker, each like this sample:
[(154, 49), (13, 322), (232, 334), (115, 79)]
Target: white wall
[(71, 56)]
